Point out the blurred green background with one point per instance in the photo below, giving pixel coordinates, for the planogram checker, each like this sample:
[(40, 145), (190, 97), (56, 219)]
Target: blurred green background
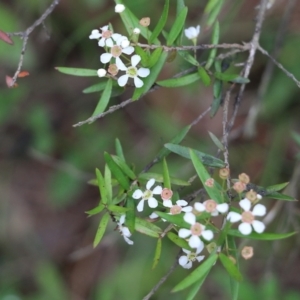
[(45, 236)]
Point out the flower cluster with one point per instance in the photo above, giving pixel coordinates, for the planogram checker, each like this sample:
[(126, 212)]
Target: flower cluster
[(117, 46)]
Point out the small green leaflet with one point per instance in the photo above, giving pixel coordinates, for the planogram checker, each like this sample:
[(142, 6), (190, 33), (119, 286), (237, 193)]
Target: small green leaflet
[(261, 236), (180, 81), (188, 57), (119, 150), (230, 267), (130, 214), (159, 178), (98, 87), (124, 167), (214, 41), (216, 141), (157, 253), (217, 89), (167, 182), (104, 99), (182, 243), (147, 228), (101, 229), (177, 27), (95, 210), (175, 219), (231, 77), (77, 71), (117, 209), (101, 185), (204, 76)]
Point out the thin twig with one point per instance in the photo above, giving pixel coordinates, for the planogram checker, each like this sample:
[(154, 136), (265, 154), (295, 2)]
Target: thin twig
[(25, 35)]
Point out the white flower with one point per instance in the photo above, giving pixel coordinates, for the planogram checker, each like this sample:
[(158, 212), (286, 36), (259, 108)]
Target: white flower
[(119, 8), (132, 72), (116, 51), (192, 32), (147, 195), (124, 230), (181, 205), (136, 31), (195, 231), (212, 207), (248, 217), (186, 261), (95, 34), (107, 37), (101, 72)]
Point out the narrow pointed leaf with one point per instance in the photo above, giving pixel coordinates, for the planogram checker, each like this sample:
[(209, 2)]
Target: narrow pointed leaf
[(154, 57), (196, 287), (147, 228), (197, 274), (124, 167), (161, 23), (216, 141), (157, 253), (277, 187), (119, 149), (231, 77), (117, 209), (261, 236), (77, 71), (117, 172), (143, 54), (211, 4), (214, 13), (108, 183), (102, 188), (206, 159), (96, 210), (130, 214), (180, 81), (217, 89), (204, 76), (104, 99), (167, 182), (230, 267), (182, 243), (159, 178), (98, 87), (214, 41), (101, 229), (174, 219), (189, 58), (177, 27), (279, 196)]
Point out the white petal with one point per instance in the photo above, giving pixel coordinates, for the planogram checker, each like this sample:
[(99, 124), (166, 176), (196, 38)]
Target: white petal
[(105, 57), (125, 43), (150, 183), (198, 29), (135, 59), (104, 28), (138, 82), (259, 197), (194, 241), (109, 42), (120, 64), (116, 37), (259, 210), (127, 240), (234, 217), (122, 80), (157, 190), (140, 206), (199, 206), (101, 72), (258, 226), (181, 203), (187, 33), (188, 265), (207, 234), (122, 219), (190, 218), (214, 213), (95, 34), (153, 216), (152, 202), (137, 194), (199, 258), (186, 251), (128, 50), (101, 42), (222, 208), (143, 72), (245, 228), (126, 232), (167, 203), (183, 260), (200, 248), (245, 204), (187, 209), (184, 233)]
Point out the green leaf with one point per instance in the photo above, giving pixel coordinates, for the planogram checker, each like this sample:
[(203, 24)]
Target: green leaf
[(119, 198), (124, 167), (108, 183), (149, 80), (231, 77), (147, 228), (119, 149), (95, 210), (180, 81), (214, 14), (102, 188), (261, 236), (279, 196), (197, 274), (143, 54), (230, 267), (204, 76), (117, 172), (277, 187), (214, 41), (130, 214), (216, 141), (159, 178), (117, 209), (104, 99), (196, 287), (101, 229), (214, 192), (77, 71), (210, 6), (167, 182), (177, 26), (206, 159), (217, 88), (189, 58), (98, 87), (182, 243), (157, 253), (161, 23), (174, 219), (154, 57), (176, 140)]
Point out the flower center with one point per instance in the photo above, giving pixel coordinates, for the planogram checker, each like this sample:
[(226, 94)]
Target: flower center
[(116, 51), (251, 195), (196, 229), (210, 205), (132, 72), (175, 210), (191, 256), (147, 194), (209, 182), (166, 194), (106, 34), (247, 217), (113, 69)]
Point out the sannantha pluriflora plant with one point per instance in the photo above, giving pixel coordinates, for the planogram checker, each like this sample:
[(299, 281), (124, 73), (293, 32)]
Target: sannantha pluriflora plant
[(204, 225)]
